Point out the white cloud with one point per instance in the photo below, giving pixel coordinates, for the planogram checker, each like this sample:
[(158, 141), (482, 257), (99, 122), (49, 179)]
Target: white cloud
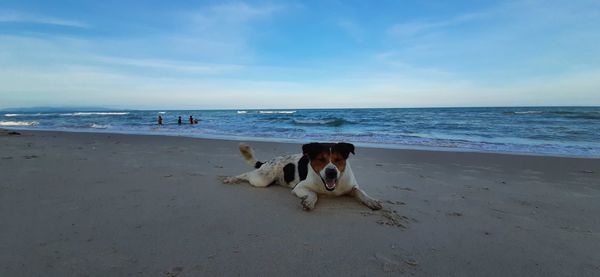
[(17, 17), (238, 11), (419, 27), (88, 85), (168, 65), (215, 68), (507, 42), (222, 32)]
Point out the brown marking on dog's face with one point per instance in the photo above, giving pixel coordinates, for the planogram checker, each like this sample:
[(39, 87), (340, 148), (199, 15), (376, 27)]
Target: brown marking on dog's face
[(338, 160), (321, 154), (320, 161)]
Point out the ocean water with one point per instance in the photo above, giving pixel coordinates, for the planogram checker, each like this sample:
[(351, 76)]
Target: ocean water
[(563, 131)]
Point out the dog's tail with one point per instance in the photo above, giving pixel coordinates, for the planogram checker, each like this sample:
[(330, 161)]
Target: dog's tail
[(248, 155)]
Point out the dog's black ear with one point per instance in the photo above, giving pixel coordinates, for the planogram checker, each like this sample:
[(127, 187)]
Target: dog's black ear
[(345, 149), (311, 149)]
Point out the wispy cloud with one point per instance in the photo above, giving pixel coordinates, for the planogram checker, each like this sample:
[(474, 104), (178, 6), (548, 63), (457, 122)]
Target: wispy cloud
[(419, 27), (18, 17), (229, 15), (168, 65), (240, 11), (219, 32), (504, 42), (229, 55)]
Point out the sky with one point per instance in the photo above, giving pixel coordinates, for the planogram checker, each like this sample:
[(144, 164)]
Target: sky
[(299, 54)]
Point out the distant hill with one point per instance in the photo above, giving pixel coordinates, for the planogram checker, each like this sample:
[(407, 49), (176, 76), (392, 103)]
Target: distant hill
[(56, 109)]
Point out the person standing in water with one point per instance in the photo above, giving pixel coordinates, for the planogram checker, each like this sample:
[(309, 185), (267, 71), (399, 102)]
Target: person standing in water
[(159, 120), (179, 120), (191, 120)]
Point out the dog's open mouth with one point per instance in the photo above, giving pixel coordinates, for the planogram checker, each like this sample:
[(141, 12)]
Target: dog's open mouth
[(330, 184)]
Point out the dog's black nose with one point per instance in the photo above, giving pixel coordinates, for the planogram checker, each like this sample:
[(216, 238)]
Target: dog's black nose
[(330, 173)]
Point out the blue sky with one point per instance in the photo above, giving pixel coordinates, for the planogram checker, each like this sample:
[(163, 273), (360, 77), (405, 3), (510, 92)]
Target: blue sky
[(272, 54)]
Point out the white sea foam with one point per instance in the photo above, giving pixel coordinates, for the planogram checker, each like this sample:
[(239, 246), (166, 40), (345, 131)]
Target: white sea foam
[(100, 126), (18, 123), (240, 112), (272, 112), (94, 113), (162, 112), (26, 114)]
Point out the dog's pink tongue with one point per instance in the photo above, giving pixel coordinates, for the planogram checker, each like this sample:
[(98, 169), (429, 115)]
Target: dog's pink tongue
[(330, 183)]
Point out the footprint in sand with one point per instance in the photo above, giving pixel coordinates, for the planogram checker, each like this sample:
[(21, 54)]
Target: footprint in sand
[(395, 202), (392, 218)]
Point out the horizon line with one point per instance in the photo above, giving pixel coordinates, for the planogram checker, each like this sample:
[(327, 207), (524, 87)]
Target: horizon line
[(91, 108)]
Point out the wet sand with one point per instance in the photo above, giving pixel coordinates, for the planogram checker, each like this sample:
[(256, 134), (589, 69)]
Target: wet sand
[(77, 204)]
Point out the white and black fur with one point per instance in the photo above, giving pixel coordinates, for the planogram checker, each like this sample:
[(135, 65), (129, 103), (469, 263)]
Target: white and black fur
[(296, 172)]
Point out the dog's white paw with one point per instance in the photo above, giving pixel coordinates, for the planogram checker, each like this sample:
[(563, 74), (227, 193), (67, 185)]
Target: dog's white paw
[(308, 203), (373, 204)]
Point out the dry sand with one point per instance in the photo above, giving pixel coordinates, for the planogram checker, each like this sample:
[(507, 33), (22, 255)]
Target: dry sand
[(76, 204)]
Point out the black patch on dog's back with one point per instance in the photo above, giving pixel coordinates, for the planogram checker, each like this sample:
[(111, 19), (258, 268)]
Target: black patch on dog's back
[(289, 172), (258, 164), (303, 167)]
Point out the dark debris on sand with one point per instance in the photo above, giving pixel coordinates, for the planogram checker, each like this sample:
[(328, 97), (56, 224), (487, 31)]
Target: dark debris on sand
[(9, 133)]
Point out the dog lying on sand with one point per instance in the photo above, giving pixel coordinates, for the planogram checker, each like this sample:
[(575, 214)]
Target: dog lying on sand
[(322, 168)]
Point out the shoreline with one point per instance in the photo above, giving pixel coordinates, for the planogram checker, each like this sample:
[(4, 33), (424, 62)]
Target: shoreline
[(292, 141)]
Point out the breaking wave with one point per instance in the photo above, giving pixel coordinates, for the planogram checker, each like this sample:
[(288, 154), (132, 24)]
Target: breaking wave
[(275, 112), (564, 114), (94, 113), (26, 114), (100, 126), (18, 123)]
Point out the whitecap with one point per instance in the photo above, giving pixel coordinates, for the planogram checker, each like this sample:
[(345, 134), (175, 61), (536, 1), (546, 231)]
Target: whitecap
[(94, 113), (281, 112), (18, 123), (100, 126), (27, 114)]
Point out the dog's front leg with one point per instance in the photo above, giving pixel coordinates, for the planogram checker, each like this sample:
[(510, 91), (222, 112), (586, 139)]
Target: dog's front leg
[(236, 179), (309, 197), (364, 198)]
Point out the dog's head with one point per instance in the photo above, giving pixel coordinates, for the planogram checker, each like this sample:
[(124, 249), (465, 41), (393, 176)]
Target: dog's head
[(328, 160)]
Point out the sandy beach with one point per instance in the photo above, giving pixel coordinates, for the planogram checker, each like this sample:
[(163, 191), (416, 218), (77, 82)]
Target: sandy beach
[(88, 204)]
